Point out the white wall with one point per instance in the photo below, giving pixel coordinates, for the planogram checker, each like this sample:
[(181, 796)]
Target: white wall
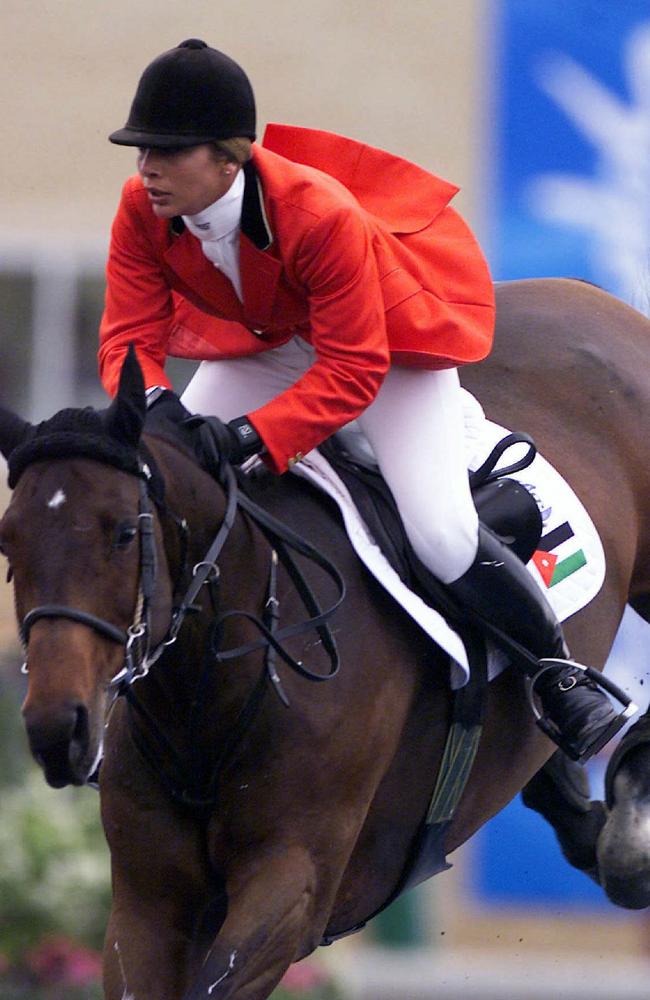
[(402, 74)]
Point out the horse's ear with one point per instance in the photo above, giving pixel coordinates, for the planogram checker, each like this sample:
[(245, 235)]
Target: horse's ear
[(13, 431), (124, 418)]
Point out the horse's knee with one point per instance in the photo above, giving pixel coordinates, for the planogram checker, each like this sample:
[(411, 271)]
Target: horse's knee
[(560, 793)]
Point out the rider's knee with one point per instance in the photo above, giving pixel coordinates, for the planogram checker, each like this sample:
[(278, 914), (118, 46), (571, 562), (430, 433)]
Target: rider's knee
[(447, 549)]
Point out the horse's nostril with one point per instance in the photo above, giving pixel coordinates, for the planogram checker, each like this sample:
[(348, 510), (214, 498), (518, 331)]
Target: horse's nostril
[(81, 728), (49, 728)]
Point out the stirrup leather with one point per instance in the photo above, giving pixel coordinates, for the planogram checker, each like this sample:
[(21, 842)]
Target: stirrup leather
[(605, 683)]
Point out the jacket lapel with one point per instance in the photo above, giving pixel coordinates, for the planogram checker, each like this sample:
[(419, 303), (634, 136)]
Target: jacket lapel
[(260, 271), (260, 274), (186, 258)]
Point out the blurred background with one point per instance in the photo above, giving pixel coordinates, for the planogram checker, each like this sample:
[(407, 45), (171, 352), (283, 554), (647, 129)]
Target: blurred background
[(541, 113)]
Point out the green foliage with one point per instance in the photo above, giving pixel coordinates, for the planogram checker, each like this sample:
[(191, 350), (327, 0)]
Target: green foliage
[(22, 991), (54, 864), (54, 868)]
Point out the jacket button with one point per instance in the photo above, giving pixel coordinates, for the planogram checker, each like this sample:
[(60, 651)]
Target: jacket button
[(295, 459)]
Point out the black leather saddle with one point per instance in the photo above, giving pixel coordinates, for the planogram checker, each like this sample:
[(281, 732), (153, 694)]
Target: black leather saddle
[(503, 505)]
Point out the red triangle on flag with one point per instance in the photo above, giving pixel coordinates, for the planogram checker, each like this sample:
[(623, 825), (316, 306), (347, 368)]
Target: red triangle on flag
[(545, 562)]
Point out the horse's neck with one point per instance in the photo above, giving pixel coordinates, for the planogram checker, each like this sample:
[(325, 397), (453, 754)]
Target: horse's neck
[(243, 565)]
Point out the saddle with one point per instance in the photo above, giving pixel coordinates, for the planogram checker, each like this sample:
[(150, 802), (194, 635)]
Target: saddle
[(503, 505)]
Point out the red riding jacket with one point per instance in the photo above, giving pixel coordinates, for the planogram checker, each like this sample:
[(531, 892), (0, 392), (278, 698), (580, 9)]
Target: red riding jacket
[(350, 247)]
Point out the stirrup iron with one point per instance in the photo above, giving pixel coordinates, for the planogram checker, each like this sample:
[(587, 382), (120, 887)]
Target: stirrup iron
[(605, 683)]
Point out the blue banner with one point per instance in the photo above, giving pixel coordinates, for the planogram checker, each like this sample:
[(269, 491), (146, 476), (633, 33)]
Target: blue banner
[(571, 198), (572, 143)]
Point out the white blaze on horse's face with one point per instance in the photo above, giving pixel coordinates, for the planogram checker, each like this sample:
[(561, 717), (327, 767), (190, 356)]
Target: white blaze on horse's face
[(57, 500)]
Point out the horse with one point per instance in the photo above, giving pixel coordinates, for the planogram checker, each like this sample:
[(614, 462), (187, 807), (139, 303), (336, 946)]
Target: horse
[(252, 814)]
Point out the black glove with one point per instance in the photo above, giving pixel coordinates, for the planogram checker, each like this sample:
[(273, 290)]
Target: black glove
[(248, 440), (233, 442), (166, 404)]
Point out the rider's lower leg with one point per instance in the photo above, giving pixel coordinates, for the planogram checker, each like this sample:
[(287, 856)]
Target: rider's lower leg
[(576, 712)]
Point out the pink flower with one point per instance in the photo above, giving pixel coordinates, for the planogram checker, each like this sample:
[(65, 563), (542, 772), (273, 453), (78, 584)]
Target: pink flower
[(303, 976), (57, 959)]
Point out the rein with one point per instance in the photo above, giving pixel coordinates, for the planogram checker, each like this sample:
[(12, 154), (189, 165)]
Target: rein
[(187, 785), (282, 539)]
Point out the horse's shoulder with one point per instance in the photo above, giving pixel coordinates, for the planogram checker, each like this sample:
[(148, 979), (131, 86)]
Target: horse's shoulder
[(288, 496)]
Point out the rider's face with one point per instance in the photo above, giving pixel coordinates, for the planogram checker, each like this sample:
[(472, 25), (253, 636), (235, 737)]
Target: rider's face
[(184, 181)]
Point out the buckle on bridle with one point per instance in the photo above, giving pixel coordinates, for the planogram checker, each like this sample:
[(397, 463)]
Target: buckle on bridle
[(211, 575)]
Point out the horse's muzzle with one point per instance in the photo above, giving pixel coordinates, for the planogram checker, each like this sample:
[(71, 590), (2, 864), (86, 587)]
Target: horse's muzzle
[(60, 743)]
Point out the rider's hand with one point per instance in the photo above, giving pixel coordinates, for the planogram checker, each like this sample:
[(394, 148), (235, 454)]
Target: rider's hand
[(233, 442), (165, 403)]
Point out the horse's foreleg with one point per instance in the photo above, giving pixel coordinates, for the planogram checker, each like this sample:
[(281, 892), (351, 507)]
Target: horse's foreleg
[(162, 885), (270, 923), (560, 793), (609, 842), (148, 946)]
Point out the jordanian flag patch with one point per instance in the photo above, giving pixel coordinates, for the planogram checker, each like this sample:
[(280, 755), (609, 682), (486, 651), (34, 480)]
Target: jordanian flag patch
[(553, 566)]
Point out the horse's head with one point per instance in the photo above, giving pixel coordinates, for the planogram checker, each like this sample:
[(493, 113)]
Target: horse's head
[(74, 542)]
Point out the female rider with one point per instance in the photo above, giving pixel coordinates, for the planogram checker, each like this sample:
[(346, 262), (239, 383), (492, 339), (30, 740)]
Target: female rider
[(320, 280)]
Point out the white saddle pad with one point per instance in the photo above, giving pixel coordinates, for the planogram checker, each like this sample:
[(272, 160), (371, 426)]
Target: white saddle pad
[(569, 566)]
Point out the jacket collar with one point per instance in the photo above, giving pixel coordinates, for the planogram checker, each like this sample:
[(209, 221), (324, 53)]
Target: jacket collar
[(254, 223), (222, 218)]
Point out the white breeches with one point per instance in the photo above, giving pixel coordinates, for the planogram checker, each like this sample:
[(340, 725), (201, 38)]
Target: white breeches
[(414, 426)]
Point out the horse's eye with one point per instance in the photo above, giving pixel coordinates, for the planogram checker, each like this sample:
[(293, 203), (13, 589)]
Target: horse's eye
[(124, 535)]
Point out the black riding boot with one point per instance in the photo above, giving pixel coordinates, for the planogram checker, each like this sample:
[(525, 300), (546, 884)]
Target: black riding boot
[(577, 714)]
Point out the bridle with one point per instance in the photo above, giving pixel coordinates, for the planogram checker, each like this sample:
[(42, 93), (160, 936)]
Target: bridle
[(136, 639), (139, 657)]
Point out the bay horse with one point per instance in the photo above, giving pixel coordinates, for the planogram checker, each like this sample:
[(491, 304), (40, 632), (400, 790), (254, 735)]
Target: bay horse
[(296, 813)]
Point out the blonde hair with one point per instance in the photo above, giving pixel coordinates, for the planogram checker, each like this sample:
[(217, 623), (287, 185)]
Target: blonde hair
[(237, 150)]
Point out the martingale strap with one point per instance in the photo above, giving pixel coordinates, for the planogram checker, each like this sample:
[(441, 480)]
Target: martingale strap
[(282, 539), (207, 570), (185, 784)]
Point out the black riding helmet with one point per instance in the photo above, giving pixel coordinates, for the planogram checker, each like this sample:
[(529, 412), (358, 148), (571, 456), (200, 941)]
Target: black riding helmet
[(189, 95)]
